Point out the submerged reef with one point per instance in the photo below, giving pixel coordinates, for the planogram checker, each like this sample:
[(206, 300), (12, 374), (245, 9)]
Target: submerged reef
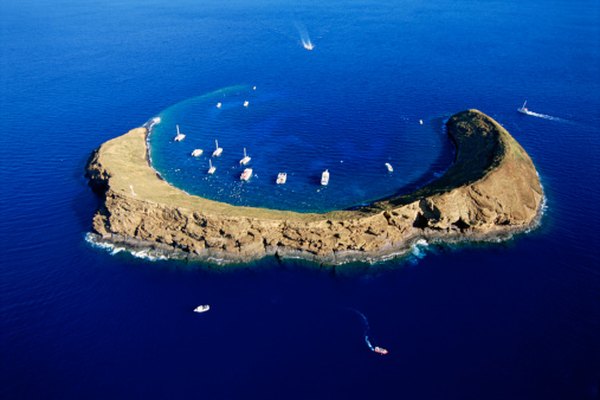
[(491, 190)]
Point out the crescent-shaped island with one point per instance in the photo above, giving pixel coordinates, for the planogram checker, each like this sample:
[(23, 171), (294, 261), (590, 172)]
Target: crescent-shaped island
[(490, 191)]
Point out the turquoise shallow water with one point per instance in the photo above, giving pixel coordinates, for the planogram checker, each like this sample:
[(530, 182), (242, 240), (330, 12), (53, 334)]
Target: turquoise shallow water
[(512, 320)]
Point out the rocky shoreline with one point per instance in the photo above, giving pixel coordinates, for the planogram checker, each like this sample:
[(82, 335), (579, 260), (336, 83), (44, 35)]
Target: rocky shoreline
[(492, 190)]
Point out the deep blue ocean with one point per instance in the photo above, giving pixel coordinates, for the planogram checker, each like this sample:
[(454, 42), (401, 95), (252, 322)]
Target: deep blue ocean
[(512, 320)]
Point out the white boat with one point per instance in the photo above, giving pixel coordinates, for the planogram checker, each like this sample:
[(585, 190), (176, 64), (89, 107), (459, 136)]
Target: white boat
[(281, 178), (523, 109), (219, 105), (420, 122), (246, 175), (202, 308), (246, 103), (180, 136), (218, 150), (325, 178), (197, 152), (211, 169), (389, 167), (253, 87), (308, 45), (380, 350), (246, 159)]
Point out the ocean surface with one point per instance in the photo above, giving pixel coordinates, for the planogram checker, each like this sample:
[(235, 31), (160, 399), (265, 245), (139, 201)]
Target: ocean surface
[(513, 320)]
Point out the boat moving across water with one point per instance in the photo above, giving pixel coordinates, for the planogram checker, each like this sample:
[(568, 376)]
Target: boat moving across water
[(524, 110), (380, 350), (389, 167)]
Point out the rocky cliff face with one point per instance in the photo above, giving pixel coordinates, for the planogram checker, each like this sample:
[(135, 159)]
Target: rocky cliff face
[(491, 189)]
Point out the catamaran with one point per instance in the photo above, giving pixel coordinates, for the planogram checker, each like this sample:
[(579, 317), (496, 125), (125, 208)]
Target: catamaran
[(281, 178), (246, 159), (246, 175), (180, 136), (389, 167), (202, 308), (218, 150), (325, 178), (211, 169), (197, 152)]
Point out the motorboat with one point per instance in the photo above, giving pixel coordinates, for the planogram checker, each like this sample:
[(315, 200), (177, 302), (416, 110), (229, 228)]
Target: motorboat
[(202, 308), (246, 159), (179, 136), (218, 150), (211, 168), (197, 152), (389, 167), (420, 122), (308, 45), (281, 178), (246, 103), (219, 105), (253, 87), (246, 175), (380, 350), (325, 178)]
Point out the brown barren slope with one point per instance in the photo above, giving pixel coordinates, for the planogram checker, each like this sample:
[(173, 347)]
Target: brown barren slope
[(492, 189)]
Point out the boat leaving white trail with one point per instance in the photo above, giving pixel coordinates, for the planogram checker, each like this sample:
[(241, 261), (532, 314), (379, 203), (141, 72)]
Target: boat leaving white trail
[(304, 38), (524, 110), (367, 329)]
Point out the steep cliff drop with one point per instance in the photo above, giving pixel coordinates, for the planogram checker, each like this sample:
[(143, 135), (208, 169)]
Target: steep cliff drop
[(491, 190)]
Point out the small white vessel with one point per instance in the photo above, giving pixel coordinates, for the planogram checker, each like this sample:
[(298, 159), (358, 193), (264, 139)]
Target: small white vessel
[(197, 152), (218, 150), (523, 109), (389, 167), (308, 45), (180, 136), (281, 178), (219, 105), (325, 178), (156, 120), (420, 122), (246, 175), (211, 168), (246, 103), (253, 87), (202, 308), (246, 159)]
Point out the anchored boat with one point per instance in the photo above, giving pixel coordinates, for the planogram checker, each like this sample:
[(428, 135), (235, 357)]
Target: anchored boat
[(202, 308), (246, 159), (180, 136), (246, 175), (246, 103), (325, 178), (211, 169), (218, 150), (219, 104), (281, 178), (197, 152)]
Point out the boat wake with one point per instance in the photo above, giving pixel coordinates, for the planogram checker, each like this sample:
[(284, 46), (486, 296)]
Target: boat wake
[(543, 116), (366, 333), (304, 38)]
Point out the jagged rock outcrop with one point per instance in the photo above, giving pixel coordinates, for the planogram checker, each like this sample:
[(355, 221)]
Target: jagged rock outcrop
[(491, 189)]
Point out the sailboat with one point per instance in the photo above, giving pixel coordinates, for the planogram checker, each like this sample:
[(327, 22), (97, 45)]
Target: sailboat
[(523, 109), (218, 150), (246, 159), (211, 169), (180, 136)]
